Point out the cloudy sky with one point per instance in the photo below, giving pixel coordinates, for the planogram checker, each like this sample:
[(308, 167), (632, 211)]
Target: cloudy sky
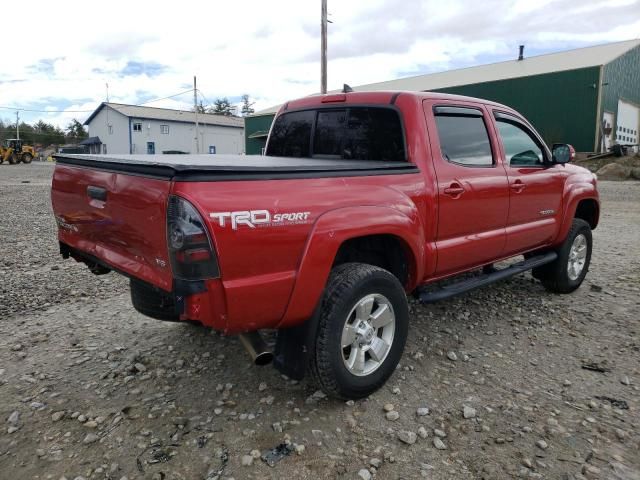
[(59, 57)]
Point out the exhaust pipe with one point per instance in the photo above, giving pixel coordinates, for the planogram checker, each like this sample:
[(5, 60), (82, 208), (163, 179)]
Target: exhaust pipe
[(257, 349)]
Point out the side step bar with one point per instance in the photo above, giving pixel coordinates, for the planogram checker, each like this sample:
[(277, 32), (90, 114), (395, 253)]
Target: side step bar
[(486, 279)]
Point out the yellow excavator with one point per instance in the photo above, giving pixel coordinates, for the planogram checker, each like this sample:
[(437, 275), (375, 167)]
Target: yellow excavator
[(14, 151)]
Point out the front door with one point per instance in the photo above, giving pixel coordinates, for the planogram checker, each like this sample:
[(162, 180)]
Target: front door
[(473, 194), (535, 186), (151, 148)]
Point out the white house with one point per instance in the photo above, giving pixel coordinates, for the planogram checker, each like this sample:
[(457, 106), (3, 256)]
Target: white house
[(119, 128)]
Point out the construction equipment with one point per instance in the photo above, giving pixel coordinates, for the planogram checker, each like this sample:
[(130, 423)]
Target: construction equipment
[(14, 151)]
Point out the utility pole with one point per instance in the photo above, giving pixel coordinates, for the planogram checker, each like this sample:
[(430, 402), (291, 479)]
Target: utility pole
[(195, 107), (323, 48), (107, 92), (17, 125)]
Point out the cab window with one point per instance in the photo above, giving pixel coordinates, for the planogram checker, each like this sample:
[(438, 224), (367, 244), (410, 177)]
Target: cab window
[(463, 136), (520, 147), (354, 133), (291, 135)]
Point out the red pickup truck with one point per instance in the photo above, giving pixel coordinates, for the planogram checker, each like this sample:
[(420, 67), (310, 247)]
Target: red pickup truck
[(360, 199)]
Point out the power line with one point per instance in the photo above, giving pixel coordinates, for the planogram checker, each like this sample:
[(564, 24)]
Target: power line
[(164, 98), (88, 111), (204, 98), (28, 134), (44, 111)]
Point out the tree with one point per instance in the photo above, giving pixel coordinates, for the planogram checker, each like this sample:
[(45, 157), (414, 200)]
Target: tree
[(47, 134), (40, 132), (75, 131), (200, 108), (247, 106), (222, 106)]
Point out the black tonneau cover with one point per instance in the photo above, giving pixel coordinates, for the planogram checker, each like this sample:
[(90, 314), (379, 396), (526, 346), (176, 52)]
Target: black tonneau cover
[(233, 167)]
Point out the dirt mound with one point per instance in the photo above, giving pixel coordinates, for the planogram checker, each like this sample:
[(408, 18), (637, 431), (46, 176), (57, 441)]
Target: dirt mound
[(612, 168), (614, 171)]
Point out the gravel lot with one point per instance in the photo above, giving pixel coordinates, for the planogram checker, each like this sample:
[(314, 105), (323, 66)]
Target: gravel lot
[(506, 382)]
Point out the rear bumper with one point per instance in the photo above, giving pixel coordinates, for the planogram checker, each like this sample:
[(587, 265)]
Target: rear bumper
[(201, 300)]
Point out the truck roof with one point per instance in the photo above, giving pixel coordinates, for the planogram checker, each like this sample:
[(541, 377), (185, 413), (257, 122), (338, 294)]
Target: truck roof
[(378, 97)]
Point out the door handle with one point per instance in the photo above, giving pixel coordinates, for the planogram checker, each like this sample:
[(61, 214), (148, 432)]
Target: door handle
[(518, 186), (97, 193), (454, 190)]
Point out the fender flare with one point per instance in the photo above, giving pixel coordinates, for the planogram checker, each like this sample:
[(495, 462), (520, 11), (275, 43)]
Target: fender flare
[(573, 195), (330, 231)]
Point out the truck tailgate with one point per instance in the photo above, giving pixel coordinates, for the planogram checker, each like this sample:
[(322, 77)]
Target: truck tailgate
[(118, 218)]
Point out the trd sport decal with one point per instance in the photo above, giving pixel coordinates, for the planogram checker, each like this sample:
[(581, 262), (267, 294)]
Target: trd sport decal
[(259, 218)]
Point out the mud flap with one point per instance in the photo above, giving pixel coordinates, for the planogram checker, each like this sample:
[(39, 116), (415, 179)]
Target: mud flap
[(293, 347)]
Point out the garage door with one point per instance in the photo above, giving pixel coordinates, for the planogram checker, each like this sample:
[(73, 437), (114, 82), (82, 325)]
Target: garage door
[(628, 123)]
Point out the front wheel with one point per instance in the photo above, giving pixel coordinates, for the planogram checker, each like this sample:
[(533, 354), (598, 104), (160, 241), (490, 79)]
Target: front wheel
[(566, 273), (26, 158), (362, 331)]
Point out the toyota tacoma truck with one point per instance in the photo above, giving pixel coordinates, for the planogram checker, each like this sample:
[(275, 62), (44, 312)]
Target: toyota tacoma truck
[(360, 199)]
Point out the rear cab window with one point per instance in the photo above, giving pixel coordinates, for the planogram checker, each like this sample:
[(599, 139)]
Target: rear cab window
[(353, 133), (464, 139)]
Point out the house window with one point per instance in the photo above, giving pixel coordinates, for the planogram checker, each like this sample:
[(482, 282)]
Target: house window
[(137, 127), (104, 148), (110, 129), (164, 129)]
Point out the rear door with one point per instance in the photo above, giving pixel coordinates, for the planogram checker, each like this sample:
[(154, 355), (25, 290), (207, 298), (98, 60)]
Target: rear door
[(120, 219), (535, 185), (473, 194)]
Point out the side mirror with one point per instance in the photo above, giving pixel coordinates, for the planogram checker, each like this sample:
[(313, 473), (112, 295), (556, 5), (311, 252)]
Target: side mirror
[(562, 153)]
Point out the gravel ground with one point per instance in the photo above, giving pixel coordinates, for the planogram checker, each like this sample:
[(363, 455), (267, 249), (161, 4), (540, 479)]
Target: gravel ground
[(506, 382)]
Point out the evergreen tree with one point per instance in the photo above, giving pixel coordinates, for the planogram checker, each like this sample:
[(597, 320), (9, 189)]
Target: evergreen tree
[(222, 106), (75, 131), (247, 106), (200, 108)]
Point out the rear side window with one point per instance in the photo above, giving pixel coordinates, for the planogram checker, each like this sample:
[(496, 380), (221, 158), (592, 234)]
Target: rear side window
[(464, 139), (291, 135), (359, 133)]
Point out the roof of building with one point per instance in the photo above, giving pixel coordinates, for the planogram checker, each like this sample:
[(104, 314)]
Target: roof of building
[(170, 115), (535, 65), (91, 141)]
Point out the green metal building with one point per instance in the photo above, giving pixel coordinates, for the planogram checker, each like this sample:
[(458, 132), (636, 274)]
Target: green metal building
[(589, 97)]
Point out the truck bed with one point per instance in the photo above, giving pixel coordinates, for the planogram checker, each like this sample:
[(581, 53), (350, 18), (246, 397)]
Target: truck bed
[(233, 167)]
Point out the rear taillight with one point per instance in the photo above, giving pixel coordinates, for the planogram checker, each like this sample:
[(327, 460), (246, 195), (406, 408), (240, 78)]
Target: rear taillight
[(190, 248)]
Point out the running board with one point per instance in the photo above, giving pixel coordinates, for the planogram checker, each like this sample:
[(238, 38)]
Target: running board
[(485, 279)]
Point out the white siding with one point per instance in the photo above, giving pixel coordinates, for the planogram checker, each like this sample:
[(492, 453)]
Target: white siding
[(181, 135), (118, 140)]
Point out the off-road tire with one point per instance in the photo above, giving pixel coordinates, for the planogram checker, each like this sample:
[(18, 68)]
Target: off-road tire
[(26, 158), (347, 285), (14, 158), (554, 276)]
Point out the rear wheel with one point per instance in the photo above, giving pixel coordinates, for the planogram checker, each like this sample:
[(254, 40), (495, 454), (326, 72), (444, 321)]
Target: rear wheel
[(362, 331), (26, 158), (14, 158), (567, 272)]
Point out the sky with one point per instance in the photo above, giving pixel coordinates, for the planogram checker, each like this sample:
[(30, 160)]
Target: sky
[(64, 54)]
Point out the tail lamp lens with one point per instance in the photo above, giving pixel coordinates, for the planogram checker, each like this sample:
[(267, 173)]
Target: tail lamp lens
[(190, 249)]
